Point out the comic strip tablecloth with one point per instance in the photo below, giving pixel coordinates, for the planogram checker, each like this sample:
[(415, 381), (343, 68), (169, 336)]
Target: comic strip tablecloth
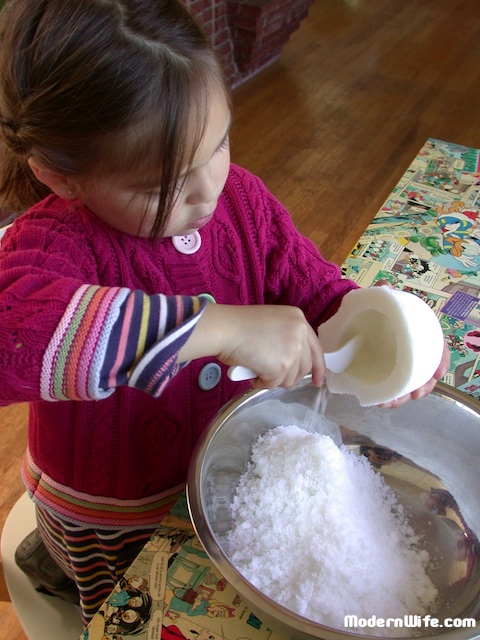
[(173, 592), (426, 240)]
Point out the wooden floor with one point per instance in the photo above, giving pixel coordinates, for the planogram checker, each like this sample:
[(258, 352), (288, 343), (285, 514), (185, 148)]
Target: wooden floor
[(331, 127)]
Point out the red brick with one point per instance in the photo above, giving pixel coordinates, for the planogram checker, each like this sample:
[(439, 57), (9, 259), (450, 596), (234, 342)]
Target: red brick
[(248, 34)]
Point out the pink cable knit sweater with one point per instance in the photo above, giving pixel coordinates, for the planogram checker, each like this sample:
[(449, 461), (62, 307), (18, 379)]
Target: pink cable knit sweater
[(129, 450)]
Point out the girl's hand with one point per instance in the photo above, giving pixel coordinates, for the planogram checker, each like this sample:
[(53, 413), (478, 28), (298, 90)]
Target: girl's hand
[(428, 387), (275, 341)]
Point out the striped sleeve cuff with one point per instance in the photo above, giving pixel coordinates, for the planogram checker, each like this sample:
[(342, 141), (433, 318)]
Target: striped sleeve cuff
[(111, 336), (149, 337)]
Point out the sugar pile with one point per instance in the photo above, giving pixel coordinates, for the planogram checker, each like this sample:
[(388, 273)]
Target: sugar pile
[(317, 529)]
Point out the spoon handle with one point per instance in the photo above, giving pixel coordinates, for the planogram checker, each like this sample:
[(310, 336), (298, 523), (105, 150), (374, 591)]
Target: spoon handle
[(237, 373)]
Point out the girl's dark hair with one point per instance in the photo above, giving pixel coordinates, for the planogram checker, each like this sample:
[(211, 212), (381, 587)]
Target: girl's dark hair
[(99, 87)]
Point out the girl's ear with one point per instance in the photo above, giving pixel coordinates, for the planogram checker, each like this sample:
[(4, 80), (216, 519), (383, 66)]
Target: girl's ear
[(58, 183)]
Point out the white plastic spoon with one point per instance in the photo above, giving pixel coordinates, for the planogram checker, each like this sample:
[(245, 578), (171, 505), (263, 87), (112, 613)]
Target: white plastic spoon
[(336, 361)]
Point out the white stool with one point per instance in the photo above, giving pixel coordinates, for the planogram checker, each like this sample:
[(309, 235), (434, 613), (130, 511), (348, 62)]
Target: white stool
[(41, 616)]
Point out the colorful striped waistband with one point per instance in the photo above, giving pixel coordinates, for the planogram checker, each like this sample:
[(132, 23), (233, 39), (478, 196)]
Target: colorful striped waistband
[(96, 511)]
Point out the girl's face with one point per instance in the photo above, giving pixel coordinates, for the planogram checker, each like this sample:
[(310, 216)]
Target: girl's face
[(122, 204)]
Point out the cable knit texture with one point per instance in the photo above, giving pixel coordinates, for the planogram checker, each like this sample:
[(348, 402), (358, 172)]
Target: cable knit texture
[(130, 448)]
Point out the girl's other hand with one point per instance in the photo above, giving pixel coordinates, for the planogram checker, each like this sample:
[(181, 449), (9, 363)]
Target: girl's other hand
[(426, 388)]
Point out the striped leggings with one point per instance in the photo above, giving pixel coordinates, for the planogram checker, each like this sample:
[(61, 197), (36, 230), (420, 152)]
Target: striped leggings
[(94, 559)]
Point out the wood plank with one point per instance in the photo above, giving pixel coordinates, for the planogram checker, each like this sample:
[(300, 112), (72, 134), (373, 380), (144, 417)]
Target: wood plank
[(359, 88), (13, 438)]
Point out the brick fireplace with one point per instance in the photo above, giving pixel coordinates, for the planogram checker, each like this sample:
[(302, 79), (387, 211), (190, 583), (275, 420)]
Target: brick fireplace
[(248, 34)]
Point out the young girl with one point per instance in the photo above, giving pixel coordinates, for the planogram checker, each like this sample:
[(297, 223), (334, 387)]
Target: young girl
[(115, 120)]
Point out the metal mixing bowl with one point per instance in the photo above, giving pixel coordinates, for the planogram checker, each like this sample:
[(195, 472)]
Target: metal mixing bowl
[(428, 451)]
